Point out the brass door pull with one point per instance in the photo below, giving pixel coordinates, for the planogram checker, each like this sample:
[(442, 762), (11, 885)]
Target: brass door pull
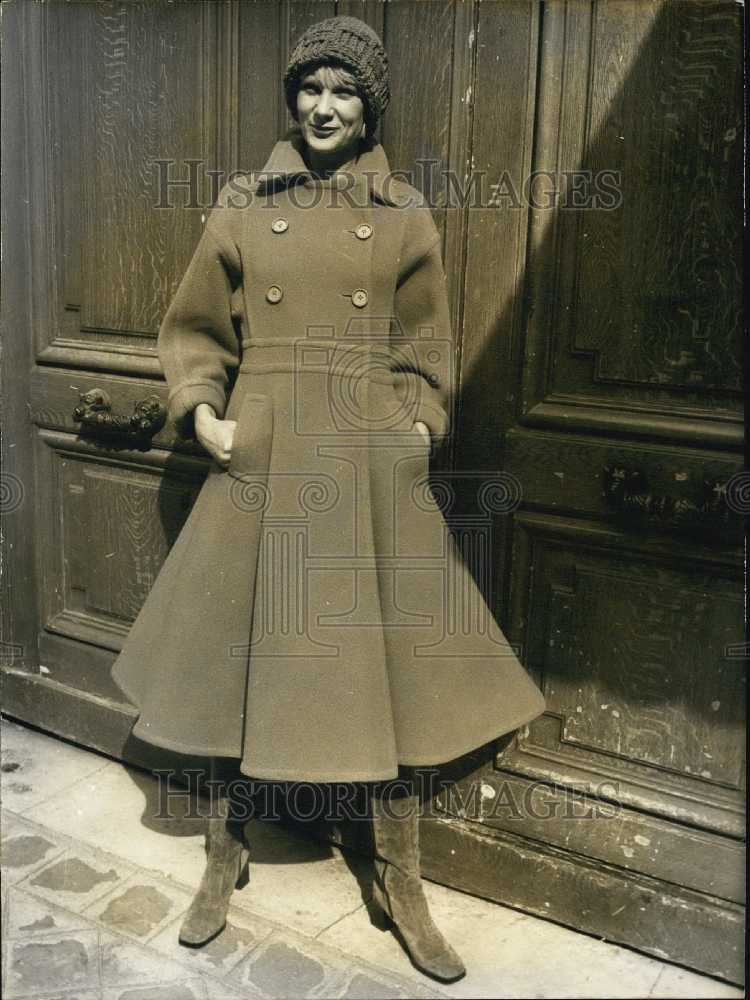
[(94, 412)]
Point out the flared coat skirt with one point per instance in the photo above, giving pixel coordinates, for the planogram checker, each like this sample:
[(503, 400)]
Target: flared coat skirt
[(314, 617)]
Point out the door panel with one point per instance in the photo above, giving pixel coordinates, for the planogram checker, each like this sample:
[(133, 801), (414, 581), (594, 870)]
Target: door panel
[(115, 523), (141, 77), (631, 646), (639, 304)]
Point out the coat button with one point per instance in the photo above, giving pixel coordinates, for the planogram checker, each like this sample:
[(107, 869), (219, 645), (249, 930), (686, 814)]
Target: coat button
[(274, 294), (279, 225), (359, 298), (363, 232)]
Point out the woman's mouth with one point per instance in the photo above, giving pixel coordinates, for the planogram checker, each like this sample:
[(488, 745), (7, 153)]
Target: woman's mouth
[(322, 132)]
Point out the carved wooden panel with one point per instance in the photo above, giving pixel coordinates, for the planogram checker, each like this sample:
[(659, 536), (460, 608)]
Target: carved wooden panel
[(654, 685), (637, 263), (115, 520), (634, 644), (651, 308), (139, 80)]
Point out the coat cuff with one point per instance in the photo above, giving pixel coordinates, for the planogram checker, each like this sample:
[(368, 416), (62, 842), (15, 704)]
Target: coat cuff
[(182, 401)]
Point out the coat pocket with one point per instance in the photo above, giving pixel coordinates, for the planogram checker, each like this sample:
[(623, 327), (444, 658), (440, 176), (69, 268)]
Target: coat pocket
[(253, 436)]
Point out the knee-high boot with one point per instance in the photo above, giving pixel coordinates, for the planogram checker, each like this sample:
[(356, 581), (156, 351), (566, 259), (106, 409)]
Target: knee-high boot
[(398, 889), (226, 869)]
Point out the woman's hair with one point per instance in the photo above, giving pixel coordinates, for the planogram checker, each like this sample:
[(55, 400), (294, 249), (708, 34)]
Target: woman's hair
[(339, 72)]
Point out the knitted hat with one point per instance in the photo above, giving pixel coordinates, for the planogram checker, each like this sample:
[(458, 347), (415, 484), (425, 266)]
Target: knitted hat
[(354, 44)]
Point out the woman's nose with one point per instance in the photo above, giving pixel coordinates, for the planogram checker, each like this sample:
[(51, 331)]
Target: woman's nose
[(323, 105)]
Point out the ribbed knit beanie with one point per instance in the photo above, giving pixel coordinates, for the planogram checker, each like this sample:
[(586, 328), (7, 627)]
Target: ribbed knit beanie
[(354, 44)]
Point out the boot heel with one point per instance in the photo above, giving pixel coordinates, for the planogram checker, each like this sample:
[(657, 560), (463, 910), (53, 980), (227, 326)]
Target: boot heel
[(380, 919), (381, 911), (243, 876)]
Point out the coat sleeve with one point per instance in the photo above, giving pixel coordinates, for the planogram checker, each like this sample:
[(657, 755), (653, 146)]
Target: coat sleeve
[(423, 339), (197, 343)]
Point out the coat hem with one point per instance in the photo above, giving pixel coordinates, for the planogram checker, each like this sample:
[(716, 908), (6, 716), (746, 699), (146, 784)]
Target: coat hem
[(323, 777), (405, 759), (166, 744), (418, 760)]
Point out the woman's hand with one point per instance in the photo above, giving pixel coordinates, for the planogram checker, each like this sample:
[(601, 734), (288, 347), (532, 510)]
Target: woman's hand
[(215, 435), (424, 430)]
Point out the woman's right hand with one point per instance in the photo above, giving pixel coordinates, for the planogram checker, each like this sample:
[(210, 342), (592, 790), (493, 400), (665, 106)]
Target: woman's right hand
[(214, 434)]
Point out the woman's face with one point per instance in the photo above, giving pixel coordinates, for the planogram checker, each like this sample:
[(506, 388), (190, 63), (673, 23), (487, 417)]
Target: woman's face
[(330, 111)]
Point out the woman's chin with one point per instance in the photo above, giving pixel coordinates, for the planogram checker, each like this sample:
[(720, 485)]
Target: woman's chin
[(321, 144)]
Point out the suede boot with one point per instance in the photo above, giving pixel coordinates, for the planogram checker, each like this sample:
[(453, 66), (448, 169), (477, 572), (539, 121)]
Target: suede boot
[(398, 889), (226, 870)]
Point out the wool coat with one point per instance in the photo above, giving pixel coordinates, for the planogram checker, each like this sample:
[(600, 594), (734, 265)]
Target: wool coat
[(314, 617)]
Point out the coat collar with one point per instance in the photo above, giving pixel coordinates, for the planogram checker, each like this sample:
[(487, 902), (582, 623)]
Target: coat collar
[(286, 165)]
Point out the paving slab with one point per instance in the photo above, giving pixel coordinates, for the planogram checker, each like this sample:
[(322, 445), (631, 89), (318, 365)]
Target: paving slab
[(34, 766), (39, 964), (77, 877), (26, 847), (244, 932), (141, 907)]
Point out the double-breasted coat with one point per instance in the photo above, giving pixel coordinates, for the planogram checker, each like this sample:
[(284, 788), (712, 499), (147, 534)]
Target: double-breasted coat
[(314, 617)]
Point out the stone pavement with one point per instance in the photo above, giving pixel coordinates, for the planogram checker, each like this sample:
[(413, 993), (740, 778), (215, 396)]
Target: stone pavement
[(95, 886)]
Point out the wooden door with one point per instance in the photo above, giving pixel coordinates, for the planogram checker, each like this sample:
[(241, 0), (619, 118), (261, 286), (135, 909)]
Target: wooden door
[(617, 418), (586, 341)]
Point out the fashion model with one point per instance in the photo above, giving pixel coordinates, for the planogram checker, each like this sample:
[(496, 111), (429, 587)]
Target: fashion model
[(304, 623)]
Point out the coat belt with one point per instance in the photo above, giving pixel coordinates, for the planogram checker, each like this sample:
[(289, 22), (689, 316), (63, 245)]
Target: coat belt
[(373, 360)]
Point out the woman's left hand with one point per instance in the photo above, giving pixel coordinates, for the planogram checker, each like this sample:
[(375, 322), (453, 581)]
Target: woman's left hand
[(424, 430)]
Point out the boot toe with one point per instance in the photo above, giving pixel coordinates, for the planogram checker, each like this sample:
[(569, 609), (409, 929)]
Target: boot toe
[(197, 932), (446, 966)]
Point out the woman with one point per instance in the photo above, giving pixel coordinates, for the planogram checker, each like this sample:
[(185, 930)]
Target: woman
[(304, 617)]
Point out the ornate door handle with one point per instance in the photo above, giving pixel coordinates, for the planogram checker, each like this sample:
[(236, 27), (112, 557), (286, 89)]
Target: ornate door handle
[(626, 492), (94, 412)]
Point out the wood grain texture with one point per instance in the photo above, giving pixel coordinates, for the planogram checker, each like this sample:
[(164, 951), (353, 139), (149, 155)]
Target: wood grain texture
[(417, 124), (655, 308), (636, 306), (506, 43), (143, 103), (18, 624), (258, 110)]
